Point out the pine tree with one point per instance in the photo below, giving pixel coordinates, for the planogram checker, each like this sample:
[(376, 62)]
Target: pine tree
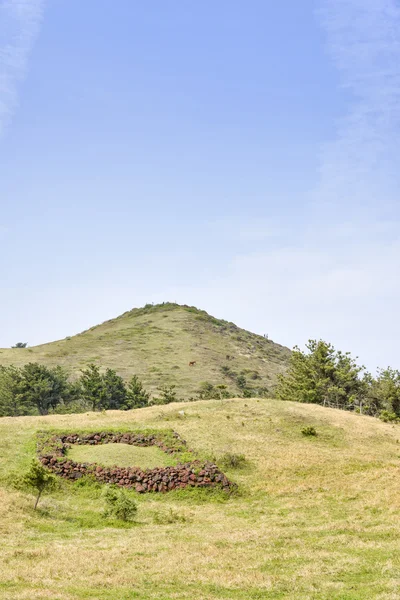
[(322, 376), (93, 387), (115, 391), (137, 396)]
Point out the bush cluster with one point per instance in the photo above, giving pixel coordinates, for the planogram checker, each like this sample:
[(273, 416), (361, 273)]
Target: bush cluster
[(230, 460), (323, 375), (210, 391), (309, 431), (119, 505)]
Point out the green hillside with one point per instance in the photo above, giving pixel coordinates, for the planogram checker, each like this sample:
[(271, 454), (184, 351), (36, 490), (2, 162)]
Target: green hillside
[(158, 342), (317, 518)]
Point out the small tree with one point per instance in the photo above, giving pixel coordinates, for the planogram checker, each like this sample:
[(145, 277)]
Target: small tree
[(206, 391), (39, 479), (167, 395), (222, 392), (137, 396)]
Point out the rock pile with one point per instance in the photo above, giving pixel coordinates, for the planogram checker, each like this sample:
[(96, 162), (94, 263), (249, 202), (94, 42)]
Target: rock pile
[(162, 479), (133, 439)]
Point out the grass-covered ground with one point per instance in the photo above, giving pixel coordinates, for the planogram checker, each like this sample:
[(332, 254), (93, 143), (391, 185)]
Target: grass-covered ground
[(316, 518), (157, 343), (121, 455)]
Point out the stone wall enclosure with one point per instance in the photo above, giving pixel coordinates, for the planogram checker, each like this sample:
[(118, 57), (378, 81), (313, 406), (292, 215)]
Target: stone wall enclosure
[(53, 449)]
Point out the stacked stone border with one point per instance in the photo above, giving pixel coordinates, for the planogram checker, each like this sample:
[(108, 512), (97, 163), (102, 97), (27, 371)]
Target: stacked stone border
[(53, 447)]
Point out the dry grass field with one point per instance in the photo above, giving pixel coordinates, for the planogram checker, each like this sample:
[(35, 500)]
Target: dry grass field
[(315, 517), (157, 343)]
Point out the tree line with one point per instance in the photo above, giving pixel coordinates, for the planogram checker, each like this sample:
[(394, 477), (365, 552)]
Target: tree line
[(323, 375), (36, 389), (319, 375)]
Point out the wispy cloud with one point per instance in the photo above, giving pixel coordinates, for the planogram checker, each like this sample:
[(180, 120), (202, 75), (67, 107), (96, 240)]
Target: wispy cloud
[(338, 279), (248, 230), (359, 169), (19, 24)]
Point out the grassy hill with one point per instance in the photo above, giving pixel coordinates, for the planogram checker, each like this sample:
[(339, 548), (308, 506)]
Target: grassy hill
[(316, 518), (158, 342)]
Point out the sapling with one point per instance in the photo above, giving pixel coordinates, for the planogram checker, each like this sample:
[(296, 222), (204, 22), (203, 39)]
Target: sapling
[(39, 479)]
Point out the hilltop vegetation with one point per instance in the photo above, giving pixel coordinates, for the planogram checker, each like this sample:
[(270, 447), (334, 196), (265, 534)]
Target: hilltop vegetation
[(156, 343), (323, 375), (316, 517)]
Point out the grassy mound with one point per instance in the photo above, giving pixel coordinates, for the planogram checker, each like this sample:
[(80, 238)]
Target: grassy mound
[(316, 516), (158, 342)]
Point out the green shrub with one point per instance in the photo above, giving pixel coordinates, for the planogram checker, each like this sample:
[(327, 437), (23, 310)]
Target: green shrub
[(309, 431), (223, 392), (255, 375), (231, 460), (226, 370), (119, 505), (241, 382), (167, 395), (388, 417), (169, 517)]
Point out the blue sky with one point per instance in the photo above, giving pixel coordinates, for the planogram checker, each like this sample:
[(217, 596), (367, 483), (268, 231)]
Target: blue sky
[(238, 156)]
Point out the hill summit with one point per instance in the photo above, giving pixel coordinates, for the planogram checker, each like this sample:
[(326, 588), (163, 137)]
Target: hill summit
[(168, 344)]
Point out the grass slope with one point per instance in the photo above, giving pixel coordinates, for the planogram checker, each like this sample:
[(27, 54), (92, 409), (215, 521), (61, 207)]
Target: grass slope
[(158, 342), (317, 518)]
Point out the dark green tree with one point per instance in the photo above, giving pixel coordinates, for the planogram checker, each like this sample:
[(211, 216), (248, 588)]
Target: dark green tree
[(103, 391), (93, 387), (322, 375), (42, 387), (11, 402), (137, 396), (384, 392), (115, 391)]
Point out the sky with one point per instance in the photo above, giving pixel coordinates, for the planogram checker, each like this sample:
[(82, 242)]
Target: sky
[(237, 156)]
